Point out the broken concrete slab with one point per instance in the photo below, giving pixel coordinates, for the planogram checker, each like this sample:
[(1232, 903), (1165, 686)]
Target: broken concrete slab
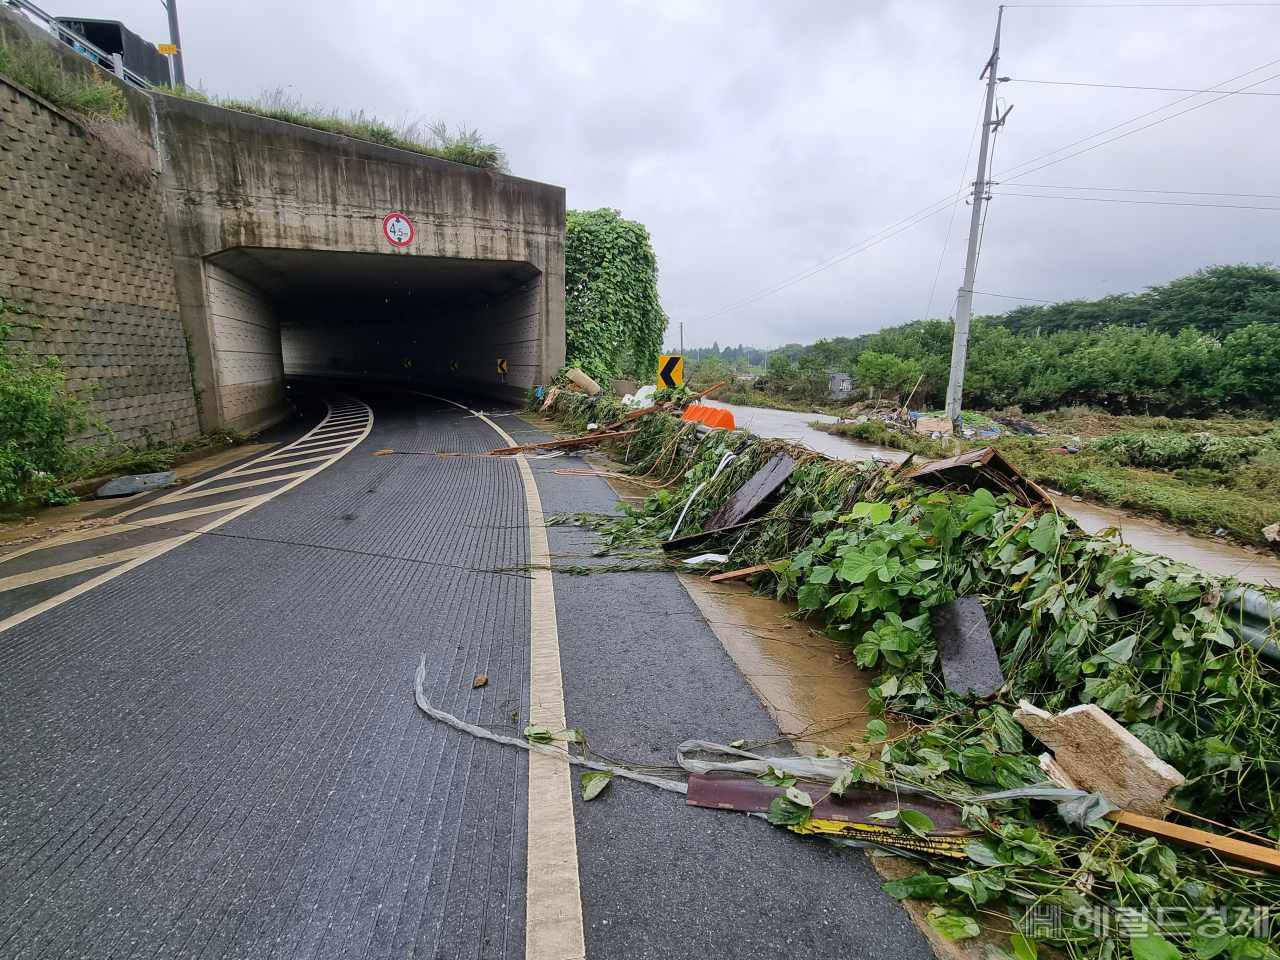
[(1099, 755), (137, 483), (965, 648)]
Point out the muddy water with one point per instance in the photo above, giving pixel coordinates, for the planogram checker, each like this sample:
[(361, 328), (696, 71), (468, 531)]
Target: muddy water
[(787, 425), (1216, 557), (808, 682)]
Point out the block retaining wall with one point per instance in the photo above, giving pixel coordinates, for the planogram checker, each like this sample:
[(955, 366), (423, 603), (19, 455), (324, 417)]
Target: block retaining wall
[(83, 241)]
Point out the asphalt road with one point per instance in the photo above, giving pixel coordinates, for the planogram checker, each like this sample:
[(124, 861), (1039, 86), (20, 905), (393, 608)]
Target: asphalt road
[(217, 754)]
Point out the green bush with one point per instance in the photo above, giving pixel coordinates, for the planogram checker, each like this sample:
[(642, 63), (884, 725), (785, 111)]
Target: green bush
[(1182, 451), (37, 415), (613, 320), (37, 70)]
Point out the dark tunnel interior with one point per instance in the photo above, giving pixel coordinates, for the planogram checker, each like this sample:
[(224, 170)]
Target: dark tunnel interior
[(467, 325)]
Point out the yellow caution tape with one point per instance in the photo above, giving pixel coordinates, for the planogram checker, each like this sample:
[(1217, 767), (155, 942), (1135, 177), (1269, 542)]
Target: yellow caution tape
[(938, 845)]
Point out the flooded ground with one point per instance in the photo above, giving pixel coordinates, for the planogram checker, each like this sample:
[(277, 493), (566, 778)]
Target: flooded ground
[(808, 681), (1219, 558), (788, 425)]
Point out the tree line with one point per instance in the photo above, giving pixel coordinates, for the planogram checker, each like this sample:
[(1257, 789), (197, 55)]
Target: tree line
[(1210, 341)]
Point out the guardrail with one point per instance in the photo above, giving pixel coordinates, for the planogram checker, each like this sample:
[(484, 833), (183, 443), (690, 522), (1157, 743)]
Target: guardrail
[(111, 61), (1255, 620)]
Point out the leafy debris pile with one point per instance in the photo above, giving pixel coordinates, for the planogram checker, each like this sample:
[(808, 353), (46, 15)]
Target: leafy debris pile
[(1075, 620)]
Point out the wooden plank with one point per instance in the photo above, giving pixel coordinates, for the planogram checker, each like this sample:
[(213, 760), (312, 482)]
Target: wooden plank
[(753, 493), (1250, 854), (561, 444), (742, 574)]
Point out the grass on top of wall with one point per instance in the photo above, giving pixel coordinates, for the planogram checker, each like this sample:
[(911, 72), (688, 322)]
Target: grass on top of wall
[(90, 94), (432, 138)]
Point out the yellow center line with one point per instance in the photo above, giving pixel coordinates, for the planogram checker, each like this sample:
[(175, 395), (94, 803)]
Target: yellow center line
[(553, 928)]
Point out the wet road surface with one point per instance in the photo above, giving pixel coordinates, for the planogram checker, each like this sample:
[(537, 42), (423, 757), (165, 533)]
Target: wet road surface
[(216, 753)]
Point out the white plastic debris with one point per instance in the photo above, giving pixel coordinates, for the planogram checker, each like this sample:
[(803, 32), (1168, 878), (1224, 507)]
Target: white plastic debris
[(706, 558)]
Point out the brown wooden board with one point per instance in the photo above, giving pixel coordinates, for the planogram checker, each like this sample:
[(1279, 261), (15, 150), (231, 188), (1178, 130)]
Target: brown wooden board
[(986, 468), (560, 444), (742, 574), (1252, 854), (766, 480), (734, 791)]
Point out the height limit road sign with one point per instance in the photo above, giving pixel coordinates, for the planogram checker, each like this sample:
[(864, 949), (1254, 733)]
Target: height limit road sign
[(670, 371), (398, 229)]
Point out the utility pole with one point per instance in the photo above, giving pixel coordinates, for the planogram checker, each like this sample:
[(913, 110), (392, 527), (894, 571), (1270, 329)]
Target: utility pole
[(179, 76), (964, 309), (682, 338)]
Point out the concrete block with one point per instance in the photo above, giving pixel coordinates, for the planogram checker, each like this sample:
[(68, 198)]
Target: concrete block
[(1099, 755)]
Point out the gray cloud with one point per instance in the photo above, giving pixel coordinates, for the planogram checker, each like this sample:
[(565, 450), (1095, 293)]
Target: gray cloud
[(754, 138)]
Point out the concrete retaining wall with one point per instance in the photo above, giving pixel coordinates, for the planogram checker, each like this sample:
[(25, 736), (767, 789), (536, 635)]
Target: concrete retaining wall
[(172, 250), (82, 241)]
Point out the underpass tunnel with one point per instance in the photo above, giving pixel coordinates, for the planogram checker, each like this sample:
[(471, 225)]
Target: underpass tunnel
[(471, 326)]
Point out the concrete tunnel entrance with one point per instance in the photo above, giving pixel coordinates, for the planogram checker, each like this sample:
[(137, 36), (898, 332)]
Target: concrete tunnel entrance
[(440, 321)]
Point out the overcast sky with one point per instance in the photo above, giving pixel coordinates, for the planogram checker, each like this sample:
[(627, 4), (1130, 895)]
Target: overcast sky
[(755, 139)]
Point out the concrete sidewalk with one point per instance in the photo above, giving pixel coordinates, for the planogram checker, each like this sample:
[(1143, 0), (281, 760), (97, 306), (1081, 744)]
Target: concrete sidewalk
[(642, 673)]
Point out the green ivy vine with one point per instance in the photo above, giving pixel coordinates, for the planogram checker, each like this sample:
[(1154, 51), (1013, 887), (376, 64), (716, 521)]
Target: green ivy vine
[(614, 323)]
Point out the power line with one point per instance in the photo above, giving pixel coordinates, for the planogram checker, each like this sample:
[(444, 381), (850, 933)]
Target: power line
[(1130, 133), (1126, 86), (926, 212), (1160, 203), (1185, 193), (831, 261), (1134, 119), (1006, 296), (1102, 6)]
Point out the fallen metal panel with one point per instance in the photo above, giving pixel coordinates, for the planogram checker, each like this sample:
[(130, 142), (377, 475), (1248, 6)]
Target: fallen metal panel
[(694, 539), (986, 469), (729, 791), (766, 480)]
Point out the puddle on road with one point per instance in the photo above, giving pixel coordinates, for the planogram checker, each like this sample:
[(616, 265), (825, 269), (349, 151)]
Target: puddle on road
[(808, 682)]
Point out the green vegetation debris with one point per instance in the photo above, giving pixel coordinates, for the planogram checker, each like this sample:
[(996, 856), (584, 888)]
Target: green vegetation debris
[(1075, 620)]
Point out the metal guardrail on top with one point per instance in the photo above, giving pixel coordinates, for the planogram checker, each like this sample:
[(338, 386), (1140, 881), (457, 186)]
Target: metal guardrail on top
[(111, 61)]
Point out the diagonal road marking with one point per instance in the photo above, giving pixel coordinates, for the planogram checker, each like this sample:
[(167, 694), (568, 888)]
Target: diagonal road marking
[(77, 566), (76, 536), (164, 546), (214, 491)]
